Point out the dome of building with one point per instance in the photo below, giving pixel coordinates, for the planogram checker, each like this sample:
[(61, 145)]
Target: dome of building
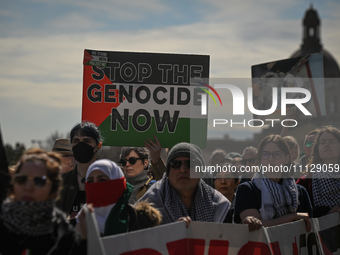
[(311, 43)]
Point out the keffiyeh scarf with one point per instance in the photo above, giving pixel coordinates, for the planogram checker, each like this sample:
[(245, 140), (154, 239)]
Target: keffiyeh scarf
[(326, 189), (30, 218), (202, 208), (277, 199)]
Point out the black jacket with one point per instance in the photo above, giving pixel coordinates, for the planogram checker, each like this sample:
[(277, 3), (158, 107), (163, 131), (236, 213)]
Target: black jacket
[(63, 240), (69, 191)]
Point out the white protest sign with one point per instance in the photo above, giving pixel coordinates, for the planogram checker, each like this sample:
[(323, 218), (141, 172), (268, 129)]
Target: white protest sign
[(218, 238)]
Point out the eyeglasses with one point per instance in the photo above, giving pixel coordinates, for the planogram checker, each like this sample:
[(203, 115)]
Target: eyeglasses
[(219, 179), (331, 142), (176, 164), (131, 160), (250, 160), (39, 181), (309, 144), (275, 154)]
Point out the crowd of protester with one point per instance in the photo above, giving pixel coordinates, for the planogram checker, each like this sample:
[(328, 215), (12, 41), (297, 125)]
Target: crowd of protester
[(43, 209)]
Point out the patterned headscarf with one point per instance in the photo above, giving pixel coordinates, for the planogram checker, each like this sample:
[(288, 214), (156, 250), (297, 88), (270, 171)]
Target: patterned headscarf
[(202, 208)]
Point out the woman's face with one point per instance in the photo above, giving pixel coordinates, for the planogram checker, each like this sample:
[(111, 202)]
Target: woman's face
[(329, 148), (271, 155), (32, 184), (135, 169), (225, 183), (97, 176)]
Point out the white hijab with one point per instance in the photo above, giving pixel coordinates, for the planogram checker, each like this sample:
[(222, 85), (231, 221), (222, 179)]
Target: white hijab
[(113, 171)]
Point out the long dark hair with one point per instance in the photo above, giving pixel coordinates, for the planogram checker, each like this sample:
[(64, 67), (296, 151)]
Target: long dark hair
[(316, 159)]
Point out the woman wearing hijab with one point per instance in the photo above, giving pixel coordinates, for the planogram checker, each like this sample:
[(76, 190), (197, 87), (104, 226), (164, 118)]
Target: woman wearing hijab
[(29, 221), (273, 197), (109, 193)]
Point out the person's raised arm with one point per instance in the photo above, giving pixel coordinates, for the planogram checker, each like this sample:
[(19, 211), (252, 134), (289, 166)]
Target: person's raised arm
[(158, 166)]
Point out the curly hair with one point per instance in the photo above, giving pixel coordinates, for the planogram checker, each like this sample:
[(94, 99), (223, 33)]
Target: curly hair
[(51, 160)]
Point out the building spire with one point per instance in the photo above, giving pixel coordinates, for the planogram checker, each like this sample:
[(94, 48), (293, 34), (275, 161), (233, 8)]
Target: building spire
[(311, 32)]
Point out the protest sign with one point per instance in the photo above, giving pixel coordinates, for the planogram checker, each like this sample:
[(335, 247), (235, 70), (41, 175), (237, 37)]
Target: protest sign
[(95, 245), (133, 96), (328, 233), (290, 74), (221, 238)]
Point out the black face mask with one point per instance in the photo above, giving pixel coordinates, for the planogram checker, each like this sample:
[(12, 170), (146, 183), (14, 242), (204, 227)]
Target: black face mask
[(83, 152)]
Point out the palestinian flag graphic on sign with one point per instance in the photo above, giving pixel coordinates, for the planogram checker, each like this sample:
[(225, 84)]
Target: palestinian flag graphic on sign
[(133, 96)]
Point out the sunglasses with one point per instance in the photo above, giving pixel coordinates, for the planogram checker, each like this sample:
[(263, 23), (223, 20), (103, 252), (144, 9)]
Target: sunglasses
[(39, 181), (309, 144), (131, 160), (176, 164), (275, 154), (250, 160)]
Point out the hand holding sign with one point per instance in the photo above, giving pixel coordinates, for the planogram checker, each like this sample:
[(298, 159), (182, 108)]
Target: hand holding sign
[(253, 223), (187, 220)]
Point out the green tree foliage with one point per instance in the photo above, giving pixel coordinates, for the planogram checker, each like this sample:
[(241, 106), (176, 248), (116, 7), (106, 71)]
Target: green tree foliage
[(13, 154), (49, 141)]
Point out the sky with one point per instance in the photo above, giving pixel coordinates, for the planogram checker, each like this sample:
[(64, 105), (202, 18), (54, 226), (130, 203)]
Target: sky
[(42, 45)]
